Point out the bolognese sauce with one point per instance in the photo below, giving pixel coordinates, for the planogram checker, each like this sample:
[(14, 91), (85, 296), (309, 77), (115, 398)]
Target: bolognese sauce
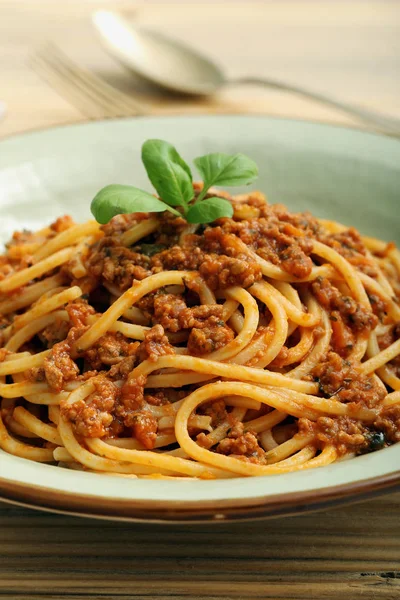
[(319, 321)]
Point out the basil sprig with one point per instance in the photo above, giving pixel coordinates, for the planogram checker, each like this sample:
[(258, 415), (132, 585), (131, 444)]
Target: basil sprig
[(225, 169), (172, 179), (168, 172), (117, 199)]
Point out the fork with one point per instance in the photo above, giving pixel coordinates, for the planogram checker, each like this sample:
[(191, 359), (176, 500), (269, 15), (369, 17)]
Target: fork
[(91, 95)]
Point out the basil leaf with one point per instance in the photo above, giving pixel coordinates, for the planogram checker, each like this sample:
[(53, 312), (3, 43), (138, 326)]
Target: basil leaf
[(226, 169), (116, 199), (168, 172), (208, 210)]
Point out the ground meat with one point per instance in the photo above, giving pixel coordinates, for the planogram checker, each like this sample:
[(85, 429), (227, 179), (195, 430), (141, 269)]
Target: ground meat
[(281, 358), (110, 349), (294, 259), (62, 223), (379, 307), (113, 348), (346, 434), (347, 316), (88, 283), (121, 223), (86, 375), (54, 333), (339, 377), (164, 396), (226, 263), (355, 316), (116, 264), (221, 272), (19, 238), (342, 340), (216, 410), (74, 334), (78, 311), (389, 423), (241, 443), (156, 399), (203, 440), (208, 333), (216, 240), (144, 428), (155, 344), (146, 305), (246, 444), (131, 411), (391, 336), (217, 257), (122, 369), (177, 258), (387, 340), (109, 410), (201, 316), (59, 366), (349, 244), (209, 338), (93, 417), (170, 229), (303, 222), (132, 396), (35, 374), (21, 247), (277, 241), (167, 311)]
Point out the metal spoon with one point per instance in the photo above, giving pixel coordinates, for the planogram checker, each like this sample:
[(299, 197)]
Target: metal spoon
[(176, 67)]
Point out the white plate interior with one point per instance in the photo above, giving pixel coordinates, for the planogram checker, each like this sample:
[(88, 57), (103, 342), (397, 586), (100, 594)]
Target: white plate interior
[(336, 173)]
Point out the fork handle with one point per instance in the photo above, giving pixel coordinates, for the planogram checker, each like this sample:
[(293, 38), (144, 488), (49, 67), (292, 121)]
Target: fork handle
[(385, 124)]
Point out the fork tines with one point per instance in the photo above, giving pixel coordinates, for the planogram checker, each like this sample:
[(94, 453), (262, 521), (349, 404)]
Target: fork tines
[(94, 97)]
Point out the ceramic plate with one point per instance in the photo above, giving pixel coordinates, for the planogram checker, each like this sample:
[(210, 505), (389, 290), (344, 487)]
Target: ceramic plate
[(337, 173)]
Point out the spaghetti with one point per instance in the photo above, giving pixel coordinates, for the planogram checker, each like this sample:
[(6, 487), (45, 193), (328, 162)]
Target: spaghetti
[(261, 344)]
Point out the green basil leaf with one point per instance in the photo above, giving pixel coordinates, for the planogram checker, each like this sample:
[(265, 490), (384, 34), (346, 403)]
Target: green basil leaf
[(208, 210), (226, 169), (168, 172), (117, 199)]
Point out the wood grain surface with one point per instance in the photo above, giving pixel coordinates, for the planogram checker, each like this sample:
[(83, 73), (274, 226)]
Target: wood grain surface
[(349, 49), (349, 553)]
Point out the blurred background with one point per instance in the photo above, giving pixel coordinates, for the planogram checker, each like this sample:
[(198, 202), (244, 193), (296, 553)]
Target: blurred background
[(345, 49)]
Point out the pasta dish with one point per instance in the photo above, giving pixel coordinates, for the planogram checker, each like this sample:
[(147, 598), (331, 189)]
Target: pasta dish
[(259, 343)]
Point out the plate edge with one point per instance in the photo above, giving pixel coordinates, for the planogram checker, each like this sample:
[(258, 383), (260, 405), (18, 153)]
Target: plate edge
[(174, 511)]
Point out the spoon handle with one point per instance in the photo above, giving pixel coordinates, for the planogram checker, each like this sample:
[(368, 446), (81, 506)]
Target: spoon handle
[(387, 125)]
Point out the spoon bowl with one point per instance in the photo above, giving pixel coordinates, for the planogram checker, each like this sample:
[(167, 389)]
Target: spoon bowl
[(178, 68), (157, 58)]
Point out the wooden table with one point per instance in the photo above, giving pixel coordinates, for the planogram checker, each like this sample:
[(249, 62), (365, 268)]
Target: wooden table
[(348, 553), (350, 49)]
